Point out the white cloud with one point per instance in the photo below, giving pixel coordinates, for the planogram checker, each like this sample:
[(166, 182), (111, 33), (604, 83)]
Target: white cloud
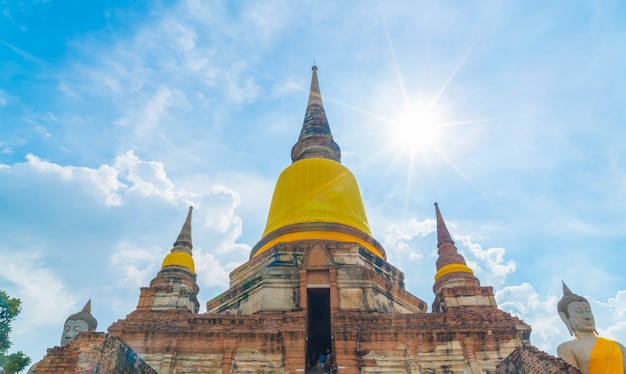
[(222, 213), (182, 37), (148, 178), (137, 265), (618, 303), (9, 142), (127, 175), (145, 119), (45, 299), (241, 88), (211, 272), (220, 217), (522, 300), (268, 18), (492, 259), (206, 12), (104, 179), (397, 237), (286, 86), (609, 316), (489, 264), (129, 183), (617, 332)]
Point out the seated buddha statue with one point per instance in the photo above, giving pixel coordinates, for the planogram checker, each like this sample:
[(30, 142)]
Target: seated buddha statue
[(587, 351)]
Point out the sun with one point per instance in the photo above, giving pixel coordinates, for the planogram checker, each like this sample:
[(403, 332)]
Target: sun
[(415, 128)]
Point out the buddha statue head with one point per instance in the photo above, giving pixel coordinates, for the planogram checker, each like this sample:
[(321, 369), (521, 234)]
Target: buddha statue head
[(575, 312), (77, 323)]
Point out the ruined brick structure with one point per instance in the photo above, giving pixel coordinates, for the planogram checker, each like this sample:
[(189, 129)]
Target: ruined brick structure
[(93, 352), (530, 360), (317, 280)]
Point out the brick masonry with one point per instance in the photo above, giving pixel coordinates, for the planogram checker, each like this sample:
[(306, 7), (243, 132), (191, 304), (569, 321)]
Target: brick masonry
[(530, 360), (93, 353), (375, 324)]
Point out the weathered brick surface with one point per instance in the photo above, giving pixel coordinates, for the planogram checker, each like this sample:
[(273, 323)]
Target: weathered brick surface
[(464, 339), (461, 339), (231, 340), (93, 353), (376, 325), (283, 273), (364, 340), (530, 360)]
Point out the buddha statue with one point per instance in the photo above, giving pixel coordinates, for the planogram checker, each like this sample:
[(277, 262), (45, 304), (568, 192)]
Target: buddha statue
[(74, 324), (77, 323), (588, 352)]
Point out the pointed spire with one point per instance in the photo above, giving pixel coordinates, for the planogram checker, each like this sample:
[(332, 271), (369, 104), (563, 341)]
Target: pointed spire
[(455, 283), (180, 254), (183, 242), (316, 140), (174, 286), (443, 235), (449, 260), (315, 95)]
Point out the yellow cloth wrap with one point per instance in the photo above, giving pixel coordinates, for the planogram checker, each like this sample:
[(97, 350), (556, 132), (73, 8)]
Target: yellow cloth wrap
[(321, 235), (453, 268), (606, 357), (316, 190), (179, 259)]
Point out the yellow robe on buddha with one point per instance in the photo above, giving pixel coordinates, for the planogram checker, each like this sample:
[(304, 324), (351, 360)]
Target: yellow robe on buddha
[(606, 357)]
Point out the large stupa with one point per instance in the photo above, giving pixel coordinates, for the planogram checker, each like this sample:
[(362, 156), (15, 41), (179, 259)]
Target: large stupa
[(316, 281)]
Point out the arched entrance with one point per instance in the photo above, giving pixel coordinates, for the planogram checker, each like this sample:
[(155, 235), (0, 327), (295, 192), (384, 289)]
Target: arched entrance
[(318, 323)]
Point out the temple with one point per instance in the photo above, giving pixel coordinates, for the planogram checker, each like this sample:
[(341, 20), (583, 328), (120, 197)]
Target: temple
[(318, 281)]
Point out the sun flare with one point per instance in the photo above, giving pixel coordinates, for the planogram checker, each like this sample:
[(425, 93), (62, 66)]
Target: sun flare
[(416, 128)]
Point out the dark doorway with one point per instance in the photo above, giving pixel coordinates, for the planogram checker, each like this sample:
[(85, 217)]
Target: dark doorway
[(318, 307)]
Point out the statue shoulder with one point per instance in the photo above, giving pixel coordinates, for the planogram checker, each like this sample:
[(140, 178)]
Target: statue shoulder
[(567, 352), (566, 345)]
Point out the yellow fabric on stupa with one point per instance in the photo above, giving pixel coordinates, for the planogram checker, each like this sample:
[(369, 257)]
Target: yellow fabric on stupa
[(317, 190), (179, 259), (606, 357), (452, 268)]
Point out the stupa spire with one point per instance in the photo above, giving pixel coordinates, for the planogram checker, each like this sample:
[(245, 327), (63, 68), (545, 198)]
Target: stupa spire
[(316, 140), (316, 197), (449, 260), (443, 235), (180, 254), (174, 286), (183, 242), (455, 283)]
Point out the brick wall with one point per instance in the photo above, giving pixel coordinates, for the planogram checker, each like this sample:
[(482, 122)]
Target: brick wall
[(530, 360), (93, 353)]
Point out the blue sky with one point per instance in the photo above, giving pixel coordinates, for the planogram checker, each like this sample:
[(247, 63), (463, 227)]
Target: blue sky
[(115, 117)]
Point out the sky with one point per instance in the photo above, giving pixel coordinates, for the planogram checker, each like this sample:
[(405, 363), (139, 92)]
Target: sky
[(115, 116)]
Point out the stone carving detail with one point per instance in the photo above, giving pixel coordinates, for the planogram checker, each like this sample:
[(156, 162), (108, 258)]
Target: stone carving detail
[(587, 351), (77, 323)]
